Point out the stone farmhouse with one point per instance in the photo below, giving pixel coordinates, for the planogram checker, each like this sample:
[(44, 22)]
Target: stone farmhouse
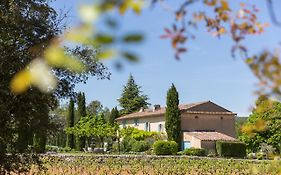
[(202, 123)]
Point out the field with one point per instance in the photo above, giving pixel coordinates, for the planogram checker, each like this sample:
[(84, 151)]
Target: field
[(125, 165)]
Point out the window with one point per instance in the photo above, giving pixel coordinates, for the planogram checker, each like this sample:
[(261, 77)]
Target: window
[(221, 118), (147, 126), (136, 121), (186, 144), (124, 122), (160, 128), (196, 117)]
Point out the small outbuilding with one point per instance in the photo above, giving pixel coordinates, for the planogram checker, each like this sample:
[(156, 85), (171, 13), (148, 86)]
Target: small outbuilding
[(206, 140)]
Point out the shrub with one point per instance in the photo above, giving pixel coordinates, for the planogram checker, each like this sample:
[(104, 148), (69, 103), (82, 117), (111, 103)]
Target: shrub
[(194, 152), (125, 146), (138, 134), (52, 148), (231, 149), (65, 149), (165, 147), (140, 146)]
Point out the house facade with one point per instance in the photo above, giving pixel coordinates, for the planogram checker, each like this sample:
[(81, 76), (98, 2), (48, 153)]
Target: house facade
[(202, 123)]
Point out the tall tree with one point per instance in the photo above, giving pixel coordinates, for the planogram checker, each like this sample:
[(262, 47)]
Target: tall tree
[(173, 115), (263, 126), (114, 114), (27, 27), (94, 107), (81, 141), (132, 98), (70, 142)]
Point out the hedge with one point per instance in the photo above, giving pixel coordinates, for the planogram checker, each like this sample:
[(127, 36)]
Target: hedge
[(194, 152), (140, 146), (165, 147), (231, 149)]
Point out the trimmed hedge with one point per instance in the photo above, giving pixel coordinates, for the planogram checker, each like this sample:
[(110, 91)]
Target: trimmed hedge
[(161, 147), (231, 149), (194, 152)]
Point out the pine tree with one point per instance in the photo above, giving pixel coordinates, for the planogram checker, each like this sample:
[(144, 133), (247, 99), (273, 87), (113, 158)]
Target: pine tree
[(173, 116), (70, 123), (114, 114), (132, 98)]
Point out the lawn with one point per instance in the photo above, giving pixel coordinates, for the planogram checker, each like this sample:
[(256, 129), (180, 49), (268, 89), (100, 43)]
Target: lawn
[(140, 165)]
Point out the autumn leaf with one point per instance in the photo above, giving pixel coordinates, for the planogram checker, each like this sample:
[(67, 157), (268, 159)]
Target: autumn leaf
[(21, 82)]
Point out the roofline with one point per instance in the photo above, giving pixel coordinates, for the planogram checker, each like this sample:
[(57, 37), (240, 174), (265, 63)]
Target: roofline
[(130, 117), (183, 111), (233, 139)]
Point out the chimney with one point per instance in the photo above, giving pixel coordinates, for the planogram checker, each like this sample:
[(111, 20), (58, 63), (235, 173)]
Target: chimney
[(141, 109), (156, 107)]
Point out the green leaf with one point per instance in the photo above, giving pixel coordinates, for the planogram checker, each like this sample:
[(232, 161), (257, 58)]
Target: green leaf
[(130, 56), (104, 39), (133, 38)]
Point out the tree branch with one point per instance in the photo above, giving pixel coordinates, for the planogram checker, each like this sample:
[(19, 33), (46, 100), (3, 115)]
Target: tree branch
[(272, 13)]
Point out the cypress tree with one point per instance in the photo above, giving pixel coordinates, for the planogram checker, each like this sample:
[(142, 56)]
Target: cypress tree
[(40, 130), (114, 114), (70, 123), (132, 98), (173, 115), (81, 141)]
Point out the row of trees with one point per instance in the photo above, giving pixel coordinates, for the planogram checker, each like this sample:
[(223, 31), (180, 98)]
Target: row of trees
[(95, 123), (77, 115)]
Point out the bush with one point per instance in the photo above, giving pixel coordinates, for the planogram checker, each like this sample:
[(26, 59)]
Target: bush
[(52, 148), (65, 149), (165, 147), (140, 146), (194, 152), (129, 144), (231, 149)]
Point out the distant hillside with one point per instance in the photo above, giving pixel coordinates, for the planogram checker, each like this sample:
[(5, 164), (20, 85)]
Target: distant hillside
[(241, 119)]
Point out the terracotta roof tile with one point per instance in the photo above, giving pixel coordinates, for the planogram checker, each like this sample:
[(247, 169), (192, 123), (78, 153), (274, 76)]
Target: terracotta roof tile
[(210, 136), (161, 111)]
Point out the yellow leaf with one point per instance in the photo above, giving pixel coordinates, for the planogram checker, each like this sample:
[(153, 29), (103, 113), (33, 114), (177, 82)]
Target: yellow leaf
[(137, 6), (21, 82), (124, 7), (222, 30), (107, 54), (57, 57), (81, 34), (224, 5), (74, 64)]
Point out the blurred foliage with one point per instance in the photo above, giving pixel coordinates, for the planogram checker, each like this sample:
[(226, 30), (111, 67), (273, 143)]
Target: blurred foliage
[(263, 126), (27, 29)]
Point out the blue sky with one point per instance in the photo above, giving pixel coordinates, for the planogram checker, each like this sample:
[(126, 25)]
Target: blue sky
[(206, 72)]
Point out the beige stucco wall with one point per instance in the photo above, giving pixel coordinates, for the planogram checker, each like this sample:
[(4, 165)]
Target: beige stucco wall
[(194, 142), (153, 121), (208, 122)]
